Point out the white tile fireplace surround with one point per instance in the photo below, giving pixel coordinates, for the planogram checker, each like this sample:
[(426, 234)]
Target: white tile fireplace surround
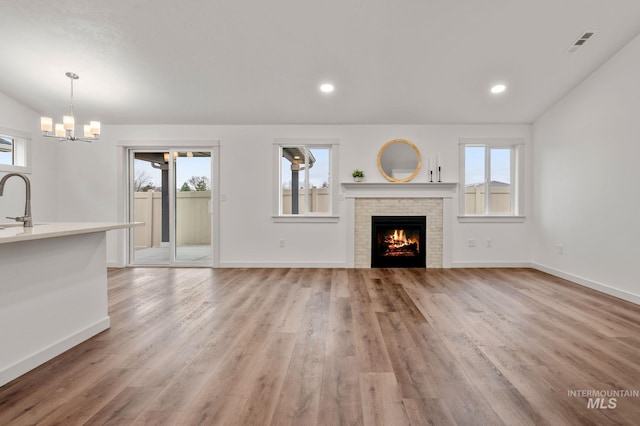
[(433, 200)]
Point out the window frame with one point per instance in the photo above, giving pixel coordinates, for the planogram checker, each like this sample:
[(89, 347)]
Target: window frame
[(516, 146), (21, 150), (12, 151), (309, 143)]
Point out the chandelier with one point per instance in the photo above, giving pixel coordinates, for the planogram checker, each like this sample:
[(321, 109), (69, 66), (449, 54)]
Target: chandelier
[(65, 131)]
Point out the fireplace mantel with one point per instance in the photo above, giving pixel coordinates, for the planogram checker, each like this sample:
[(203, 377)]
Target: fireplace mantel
[(400, 189)]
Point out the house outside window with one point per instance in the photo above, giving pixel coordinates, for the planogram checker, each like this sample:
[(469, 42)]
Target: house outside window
[(491, 174), (306, 179)]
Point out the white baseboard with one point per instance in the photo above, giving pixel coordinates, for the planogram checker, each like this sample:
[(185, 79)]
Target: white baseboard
[(520, 264), (283, 264), (603, 288), (19, 368)]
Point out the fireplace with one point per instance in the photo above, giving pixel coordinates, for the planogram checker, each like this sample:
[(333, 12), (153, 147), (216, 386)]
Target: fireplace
[(398, 241), (432, 200)]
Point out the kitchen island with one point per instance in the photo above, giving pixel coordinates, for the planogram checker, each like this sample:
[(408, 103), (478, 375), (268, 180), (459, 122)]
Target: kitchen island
[(53, 291)]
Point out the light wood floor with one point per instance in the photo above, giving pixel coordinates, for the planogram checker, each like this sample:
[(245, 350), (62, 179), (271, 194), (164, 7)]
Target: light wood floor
[(341, 347)]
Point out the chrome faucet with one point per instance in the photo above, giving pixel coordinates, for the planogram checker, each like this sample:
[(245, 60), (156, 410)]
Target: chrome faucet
[(26, 219)]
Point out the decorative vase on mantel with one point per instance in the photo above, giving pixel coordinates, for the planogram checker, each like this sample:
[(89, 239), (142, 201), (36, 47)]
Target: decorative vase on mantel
[(358, 175)]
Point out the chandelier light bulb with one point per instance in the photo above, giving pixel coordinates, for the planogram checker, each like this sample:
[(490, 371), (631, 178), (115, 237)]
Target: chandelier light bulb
[(95, 127), (69, 122), (60, 133), (46, 124)]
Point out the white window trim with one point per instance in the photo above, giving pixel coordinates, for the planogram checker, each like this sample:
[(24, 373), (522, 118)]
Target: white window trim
[(332, 216), (517, 172), (491, 219), (22, 147)]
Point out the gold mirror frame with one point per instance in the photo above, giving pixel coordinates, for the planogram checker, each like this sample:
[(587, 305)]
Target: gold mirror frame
[(384, 173)]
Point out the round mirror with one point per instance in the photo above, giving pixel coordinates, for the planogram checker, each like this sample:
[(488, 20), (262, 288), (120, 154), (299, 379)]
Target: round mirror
[(399, 160)]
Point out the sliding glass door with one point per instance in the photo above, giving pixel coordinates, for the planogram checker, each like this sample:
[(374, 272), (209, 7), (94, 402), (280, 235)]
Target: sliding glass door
[(171, 192), (192, 207)]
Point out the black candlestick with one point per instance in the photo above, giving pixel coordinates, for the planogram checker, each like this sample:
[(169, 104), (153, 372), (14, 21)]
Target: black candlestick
[(439, 174), (430, 175)]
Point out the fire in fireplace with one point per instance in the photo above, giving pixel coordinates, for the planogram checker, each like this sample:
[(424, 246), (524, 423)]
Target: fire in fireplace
[(395, 242), (398, 242)]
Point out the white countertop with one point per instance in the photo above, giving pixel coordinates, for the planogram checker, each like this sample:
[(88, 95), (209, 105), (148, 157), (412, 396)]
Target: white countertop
[(11, 233)]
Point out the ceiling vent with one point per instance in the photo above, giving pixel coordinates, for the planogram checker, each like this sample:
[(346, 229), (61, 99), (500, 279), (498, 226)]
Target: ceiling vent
[(580, 42)]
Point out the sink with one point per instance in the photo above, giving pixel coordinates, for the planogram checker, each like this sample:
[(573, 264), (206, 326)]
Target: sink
[(15, 225), (9, 225)]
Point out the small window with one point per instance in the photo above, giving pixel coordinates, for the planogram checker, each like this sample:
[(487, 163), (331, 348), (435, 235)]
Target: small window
[(306, 186), (492, 179), (7, 156), (14, 149)]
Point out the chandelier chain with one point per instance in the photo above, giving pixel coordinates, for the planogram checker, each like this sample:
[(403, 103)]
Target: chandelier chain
[(72, 110)]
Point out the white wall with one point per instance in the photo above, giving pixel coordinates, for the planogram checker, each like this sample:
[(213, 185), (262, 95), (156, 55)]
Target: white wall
[(43, 158), (586, 155), (248, 235)]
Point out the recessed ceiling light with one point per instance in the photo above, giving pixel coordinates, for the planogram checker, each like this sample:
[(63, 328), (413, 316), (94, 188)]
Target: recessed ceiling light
[(498, 88), (327, 88)]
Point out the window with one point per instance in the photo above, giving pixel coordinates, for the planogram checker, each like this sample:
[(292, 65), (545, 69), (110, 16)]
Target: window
[(13, 150), (306, 186), (6, 150), (491, 172)]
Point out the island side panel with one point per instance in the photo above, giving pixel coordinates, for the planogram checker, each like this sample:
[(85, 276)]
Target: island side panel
[(53, 295)]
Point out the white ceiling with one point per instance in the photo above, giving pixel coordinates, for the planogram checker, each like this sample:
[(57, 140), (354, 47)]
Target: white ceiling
[(261, 62)]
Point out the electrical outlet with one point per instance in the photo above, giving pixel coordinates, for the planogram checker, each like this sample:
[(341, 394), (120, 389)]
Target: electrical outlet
[(560, 249), (489, 243), (472, 243), (282, 243)]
